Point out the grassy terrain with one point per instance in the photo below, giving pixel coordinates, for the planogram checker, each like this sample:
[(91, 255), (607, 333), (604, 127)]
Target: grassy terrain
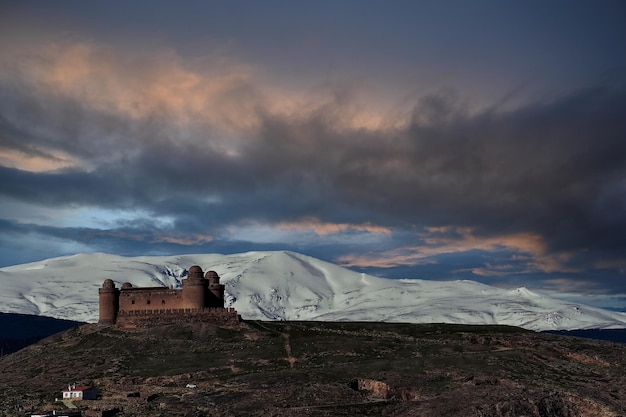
[(320, 368)]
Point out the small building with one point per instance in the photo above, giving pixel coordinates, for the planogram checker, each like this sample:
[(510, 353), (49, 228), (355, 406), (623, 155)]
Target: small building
[(84, 392)]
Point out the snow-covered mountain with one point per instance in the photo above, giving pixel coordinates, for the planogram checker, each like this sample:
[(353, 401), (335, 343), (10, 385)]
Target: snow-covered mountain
[(290, 286)]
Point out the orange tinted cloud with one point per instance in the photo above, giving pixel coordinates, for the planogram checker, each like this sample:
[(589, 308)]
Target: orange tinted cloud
[(386, 259), (323, 229), (144, 86), (36, 162), (187, 240), (215, 101), (218, 91), (531, 247)]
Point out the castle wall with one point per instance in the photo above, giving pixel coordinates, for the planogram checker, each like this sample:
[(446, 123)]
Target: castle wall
[(154, 298), (150, 318)]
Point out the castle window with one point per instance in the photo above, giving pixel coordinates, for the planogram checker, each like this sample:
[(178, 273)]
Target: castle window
[(132, 301), (148, 302), (162, 301)]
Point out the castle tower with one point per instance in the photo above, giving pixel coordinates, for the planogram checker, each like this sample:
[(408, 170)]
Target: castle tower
[(194, 288), (109, 302), (216, 290)]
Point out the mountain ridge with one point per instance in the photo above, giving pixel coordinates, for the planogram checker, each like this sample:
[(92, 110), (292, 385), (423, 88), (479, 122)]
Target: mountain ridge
[(285, 285)]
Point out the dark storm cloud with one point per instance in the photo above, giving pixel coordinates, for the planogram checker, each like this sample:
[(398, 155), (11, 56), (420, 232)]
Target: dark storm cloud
[(200, 156), (555, 168)]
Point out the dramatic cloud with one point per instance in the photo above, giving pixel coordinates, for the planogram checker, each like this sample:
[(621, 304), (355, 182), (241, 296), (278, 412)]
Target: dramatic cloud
[(158, 151)]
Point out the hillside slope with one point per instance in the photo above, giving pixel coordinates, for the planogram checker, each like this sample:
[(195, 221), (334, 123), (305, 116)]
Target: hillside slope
[(321, 369)]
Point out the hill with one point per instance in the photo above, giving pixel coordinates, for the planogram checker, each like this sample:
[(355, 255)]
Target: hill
[(321, 368), (291, 286), (20, 330)]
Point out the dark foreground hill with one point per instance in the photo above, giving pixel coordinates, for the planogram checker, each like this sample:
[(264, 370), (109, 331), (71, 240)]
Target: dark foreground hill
[(321, 369)]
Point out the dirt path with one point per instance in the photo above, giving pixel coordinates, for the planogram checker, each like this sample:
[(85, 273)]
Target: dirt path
[(285, 335), (289, 358)]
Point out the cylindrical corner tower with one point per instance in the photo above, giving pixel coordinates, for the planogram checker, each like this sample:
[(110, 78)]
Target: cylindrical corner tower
[(216, 290), (109, 302), (193, 288)]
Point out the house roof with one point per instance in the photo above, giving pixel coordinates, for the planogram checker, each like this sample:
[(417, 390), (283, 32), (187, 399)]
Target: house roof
[(82, 388)]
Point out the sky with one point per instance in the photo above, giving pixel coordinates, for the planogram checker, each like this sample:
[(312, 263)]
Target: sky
[(480, 140)]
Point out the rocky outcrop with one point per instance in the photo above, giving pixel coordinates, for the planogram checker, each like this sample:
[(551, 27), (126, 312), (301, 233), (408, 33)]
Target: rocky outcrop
[(375, 389)]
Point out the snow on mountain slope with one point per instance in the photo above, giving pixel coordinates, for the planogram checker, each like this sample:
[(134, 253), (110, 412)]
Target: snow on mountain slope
[(290, 286)]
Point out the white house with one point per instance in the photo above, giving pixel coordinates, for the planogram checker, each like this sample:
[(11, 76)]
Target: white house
[(80, 393)]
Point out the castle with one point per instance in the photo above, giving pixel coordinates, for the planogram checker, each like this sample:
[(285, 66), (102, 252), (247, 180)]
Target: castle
[(200, 300)]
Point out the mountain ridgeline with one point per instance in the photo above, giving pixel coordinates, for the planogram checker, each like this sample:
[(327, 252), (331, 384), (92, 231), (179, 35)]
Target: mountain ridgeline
[(291, 286)]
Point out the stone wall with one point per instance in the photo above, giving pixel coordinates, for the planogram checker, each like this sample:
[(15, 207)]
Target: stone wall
[(150, 299), (149, 318)]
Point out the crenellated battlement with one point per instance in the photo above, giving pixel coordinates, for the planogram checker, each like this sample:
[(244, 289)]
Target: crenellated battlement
[(180, 311), (150, 318), (201, 299)]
